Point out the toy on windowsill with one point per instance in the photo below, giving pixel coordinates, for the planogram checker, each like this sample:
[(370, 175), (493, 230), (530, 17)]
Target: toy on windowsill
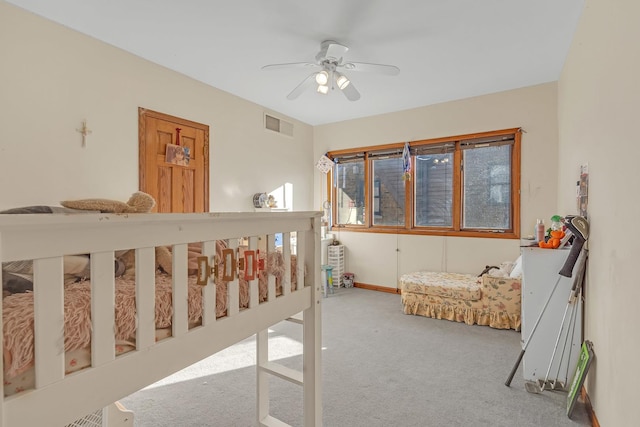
[(555, 234)]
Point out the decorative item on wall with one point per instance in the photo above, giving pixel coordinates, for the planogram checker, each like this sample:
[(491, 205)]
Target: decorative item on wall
[(324, 164), (582, 190), (177, 155), (84, 131)]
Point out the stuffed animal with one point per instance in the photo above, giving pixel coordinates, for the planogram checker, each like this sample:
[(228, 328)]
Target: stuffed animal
[(554, 240), (128, 258), (139, 202)]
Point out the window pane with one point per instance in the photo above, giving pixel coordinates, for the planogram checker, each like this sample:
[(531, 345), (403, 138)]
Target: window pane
[(388, 192), (433, 190), (487, 187), (350, 192)]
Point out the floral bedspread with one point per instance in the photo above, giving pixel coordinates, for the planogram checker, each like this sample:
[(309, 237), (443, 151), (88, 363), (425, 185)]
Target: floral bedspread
[(498, 306), (443, 284)]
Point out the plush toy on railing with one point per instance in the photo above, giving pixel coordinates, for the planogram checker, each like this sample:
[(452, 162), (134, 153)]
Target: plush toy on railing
[(556, 233)]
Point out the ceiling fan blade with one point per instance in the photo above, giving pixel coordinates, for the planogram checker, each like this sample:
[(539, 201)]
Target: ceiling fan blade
[(389, 70), (290, 65), (351, 92), (307, 82)]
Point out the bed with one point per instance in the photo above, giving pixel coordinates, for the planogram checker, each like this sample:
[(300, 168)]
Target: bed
[(492, 299), (80, 338)]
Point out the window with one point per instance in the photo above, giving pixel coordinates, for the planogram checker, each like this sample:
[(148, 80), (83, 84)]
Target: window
[(433, 185), (466, 185), (349, 192), (388, 190)]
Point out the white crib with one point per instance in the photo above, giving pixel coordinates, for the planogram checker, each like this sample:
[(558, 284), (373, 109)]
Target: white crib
[(59, 399)]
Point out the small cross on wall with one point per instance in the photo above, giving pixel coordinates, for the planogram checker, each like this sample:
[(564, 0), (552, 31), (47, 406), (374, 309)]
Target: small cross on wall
[(84, 131)]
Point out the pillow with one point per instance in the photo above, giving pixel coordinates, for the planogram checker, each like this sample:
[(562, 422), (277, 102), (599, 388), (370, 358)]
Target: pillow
[(498, 272), (507, 266), (101, 205), (516, 272), (40, 209), (139, 202)]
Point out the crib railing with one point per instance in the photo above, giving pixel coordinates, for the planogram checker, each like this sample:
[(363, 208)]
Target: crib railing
[(59, 399)]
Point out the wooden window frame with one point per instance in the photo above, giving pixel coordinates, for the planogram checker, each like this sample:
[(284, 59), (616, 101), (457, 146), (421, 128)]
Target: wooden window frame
[(456, 228)]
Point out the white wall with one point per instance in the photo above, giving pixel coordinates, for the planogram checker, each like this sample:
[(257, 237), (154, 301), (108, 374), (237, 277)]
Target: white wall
[(51, 78), (599, 95), (373, 257)]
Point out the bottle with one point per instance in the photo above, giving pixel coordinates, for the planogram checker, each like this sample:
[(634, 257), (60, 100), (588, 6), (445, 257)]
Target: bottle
[(539, 231)]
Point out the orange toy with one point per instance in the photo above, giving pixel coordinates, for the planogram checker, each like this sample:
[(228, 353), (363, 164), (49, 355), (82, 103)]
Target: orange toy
[(554, 240)]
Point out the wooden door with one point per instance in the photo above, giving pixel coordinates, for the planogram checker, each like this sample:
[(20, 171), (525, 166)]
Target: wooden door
[(176, 188)]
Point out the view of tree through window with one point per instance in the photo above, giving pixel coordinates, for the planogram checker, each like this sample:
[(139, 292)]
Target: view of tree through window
[(487, 187)]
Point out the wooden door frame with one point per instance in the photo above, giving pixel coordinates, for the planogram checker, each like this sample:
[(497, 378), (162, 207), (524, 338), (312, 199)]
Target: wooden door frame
[(143, 113)]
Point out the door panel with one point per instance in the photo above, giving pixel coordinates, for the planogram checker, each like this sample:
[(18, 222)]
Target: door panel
[(176, 188)]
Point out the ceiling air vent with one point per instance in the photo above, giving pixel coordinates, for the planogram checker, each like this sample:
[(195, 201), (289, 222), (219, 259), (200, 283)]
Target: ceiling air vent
[(277, 125)]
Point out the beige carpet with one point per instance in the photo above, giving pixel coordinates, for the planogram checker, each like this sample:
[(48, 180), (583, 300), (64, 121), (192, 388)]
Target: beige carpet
[(380, 368)]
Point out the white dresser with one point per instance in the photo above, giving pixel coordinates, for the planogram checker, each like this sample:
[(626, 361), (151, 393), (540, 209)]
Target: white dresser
[(540, 269)]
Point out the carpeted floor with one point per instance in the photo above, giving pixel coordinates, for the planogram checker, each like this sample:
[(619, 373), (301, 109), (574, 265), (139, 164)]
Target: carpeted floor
[(380, 368)]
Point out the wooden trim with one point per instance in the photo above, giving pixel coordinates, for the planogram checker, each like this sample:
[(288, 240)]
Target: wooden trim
[(455, 230), (425, 232), (336, 153), (142, 148), (516, 198), (376, 288), (143, 113), (589, 407), (456, 204), (368, 181)]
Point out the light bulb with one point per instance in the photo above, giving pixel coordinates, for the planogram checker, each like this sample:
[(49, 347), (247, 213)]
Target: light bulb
[(342, 81), (323, 89), (322, 78)]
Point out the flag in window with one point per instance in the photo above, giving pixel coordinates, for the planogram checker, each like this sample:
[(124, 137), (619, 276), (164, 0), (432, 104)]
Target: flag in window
[(406, 162)]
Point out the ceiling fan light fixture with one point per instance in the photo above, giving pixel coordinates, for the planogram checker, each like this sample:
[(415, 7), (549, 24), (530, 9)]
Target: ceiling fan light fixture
[(322, 78), (342, 81), (323, 89)]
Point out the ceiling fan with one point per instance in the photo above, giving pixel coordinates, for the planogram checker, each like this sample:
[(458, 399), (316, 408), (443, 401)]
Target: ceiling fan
[(328, 71)]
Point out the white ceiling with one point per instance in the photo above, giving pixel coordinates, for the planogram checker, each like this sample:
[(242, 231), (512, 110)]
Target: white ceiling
[(445, 49)]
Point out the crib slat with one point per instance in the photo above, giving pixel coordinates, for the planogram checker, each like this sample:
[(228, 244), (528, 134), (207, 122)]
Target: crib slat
[(312, 335), (145, 297), (286, 254), (209, 291), (271, 279), (102, 313), (233, 290), (48, 303), (262, 358), (180, 321), (300, 254), (254, 292)]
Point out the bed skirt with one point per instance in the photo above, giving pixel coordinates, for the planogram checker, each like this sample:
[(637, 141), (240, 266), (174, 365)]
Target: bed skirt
[(476, 312)]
